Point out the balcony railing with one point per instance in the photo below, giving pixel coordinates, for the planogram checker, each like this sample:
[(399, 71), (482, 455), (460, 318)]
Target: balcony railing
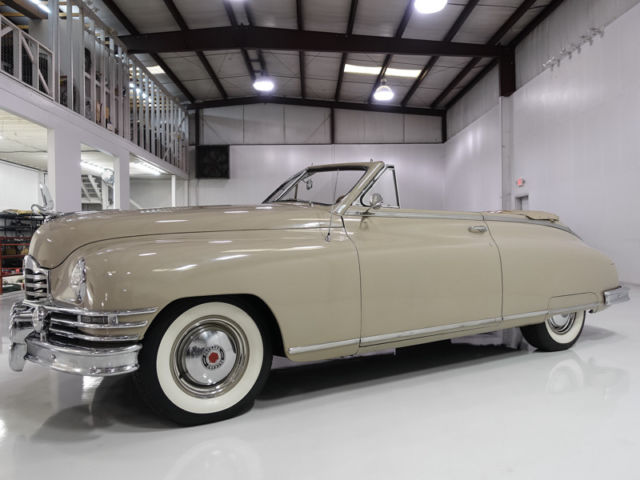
[(87, 69), (25, 58)]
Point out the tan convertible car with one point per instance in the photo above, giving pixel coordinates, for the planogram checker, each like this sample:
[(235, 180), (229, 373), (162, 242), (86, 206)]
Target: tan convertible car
[(197, 300)]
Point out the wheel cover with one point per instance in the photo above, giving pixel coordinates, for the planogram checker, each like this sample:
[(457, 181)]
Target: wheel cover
[(209, 357), (562, 323)]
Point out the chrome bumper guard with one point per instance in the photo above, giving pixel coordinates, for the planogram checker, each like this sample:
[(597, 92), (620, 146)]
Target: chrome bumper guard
[(29, 332), (616, 295)]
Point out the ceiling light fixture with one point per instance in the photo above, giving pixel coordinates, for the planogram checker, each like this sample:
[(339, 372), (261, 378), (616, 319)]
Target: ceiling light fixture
[(93, 167), (155, 69), (402, 72), (383, 93), (348, 68), (429, 6), (148, 168), (390, 72), (263, 84)]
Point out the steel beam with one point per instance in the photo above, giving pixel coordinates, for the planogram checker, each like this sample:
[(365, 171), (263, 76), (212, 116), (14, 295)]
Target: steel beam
[(228, 38), (316, 103)]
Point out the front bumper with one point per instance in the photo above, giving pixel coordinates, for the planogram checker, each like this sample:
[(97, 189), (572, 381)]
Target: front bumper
[(37, 347)]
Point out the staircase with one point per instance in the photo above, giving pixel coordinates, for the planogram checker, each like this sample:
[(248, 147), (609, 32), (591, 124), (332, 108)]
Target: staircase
[(97, 194)]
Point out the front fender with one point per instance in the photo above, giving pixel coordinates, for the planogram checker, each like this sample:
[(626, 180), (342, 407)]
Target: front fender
[(312, 286)]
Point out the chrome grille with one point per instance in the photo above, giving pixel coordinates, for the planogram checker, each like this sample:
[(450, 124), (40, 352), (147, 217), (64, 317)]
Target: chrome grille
[(36, 280)]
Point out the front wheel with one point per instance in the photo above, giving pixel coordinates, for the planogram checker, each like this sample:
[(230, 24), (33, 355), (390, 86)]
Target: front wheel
[(204, 363), (558, 332)]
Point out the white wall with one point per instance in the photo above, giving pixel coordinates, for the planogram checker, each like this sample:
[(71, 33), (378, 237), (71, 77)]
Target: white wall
[(150, 193), (575, 135), (576, 142), (258, 170), (571, 20), (477, 102), (268, 124), (19, 187), (473, 168)]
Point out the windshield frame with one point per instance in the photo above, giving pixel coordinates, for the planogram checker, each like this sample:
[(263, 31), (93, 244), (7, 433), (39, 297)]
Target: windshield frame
[(284, 189)]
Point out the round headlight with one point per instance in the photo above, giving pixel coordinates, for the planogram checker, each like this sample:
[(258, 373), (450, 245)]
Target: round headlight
[(78, 280)]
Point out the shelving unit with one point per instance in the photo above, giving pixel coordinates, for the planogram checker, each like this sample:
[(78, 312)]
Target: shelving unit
[(15, 235)]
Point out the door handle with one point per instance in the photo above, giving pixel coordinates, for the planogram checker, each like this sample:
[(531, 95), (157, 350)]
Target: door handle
[(478, 229)]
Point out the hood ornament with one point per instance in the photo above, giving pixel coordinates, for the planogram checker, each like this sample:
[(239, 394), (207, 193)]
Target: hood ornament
[(48, 210)]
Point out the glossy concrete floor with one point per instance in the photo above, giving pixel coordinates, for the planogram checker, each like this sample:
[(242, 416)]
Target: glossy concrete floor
[(451, 411)]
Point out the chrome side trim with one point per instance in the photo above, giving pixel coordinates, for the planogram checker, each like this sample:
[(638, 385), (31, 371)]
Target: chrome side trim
[(423, 332), (544, 223), (518, 316), (323, 346), (357, 211), (616, 295)]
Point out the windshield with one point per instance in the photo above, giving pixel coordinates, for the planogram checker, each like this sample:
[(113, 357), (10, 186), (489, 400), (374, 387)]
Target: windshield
[(324, 186)]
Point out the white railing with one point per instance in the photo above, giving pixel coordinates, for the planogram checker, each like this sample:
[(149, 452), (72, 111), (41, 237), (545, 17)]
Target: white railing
[(88, 70), (26, 59)]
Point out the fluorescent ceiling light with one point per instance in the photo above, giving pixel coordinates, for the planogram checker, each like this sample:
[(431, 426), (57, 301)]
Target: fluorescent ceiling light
[(383, 93), (263, 84), (391, 72), (348, 68), (155, 69), (93, 167), (402, 72), (148, 168), (429, 6)]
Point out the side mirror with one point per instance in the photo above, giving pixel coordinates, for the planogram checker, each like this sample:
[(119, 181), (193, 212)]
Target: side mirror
[(376, 201)]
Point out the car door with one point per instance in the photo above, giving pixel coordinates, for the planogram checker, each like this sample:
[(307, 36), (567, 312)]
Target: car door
[(423, 272)]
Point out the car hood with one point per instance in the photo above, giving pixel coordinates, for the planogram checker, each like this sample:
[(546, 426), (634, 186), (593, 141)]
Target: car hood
[(56, 239)]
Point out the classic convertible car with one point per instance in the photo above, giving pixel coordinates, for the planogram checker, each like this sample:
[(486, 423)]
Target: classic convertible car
[(196, 301)]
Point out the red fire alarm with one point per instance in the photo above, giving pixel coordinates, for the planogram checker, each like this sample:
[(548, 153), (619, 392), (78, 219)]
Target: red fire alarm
[(520, 182)]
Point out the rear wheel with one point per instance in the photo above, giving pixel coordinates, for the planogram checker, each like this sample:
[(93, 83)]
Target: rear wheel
[(558, 332), (204, 363)]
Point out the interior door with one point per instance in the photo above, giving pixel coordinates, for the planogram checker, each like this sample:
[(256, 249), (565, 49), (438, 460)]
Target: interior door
[(423, 272)]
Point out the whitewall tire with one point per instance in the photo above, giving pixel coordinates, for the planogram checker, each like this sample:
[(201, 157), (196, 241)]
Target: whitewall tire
[(204, 362), (558, 332)]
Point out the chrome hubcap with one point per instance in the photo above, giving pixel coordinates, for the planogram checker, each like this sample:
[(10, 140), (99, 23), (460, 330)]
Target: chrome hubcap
[(209, 357), (562, 323)]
